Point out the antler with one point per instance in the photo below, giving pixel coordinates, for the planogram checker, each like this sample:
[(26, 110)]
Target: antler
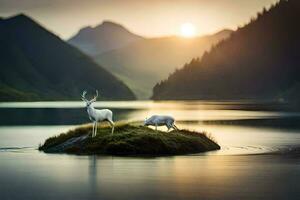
[(95, 97), (83, 95)]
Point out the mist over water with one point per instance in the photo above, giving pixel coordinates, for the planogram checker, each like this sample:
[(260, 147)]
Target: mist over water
[(258, 156)]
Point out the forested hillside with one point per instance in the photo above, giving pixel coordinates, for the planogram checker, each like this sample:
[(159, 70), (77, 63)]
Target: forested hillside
[(37, 65), (259, 61)]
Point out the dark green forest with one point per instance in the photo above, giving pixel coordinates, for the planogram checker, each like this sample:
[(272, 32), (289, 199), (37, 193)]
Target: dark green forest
[(37, 65), (260, 61)]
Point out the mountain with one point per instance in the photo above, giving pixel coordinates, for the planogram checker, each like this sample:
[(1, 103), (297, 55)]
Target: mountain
[(258, 61), (104, 37), (38, 65), (143, 63)]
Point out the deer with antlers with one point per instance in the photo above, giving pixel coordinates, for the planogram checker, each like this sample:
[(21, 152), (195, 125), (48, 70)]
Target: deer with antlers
[(96, 115)]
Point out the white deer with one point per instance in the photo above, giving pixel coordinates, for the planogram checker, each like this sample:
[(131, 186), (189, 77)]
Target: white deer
[(161, 120), (96, 115)]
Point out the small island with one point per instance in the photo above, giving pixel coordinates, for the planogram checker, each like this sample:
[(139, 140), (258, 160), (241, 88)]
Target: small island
[(129, 140)]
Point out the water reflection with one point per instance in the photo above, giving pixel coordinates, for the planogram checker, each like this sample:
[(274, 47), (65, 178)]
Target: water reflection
[(93, 175), (69, 113), (42, 176), (186, 105), (49, 116)]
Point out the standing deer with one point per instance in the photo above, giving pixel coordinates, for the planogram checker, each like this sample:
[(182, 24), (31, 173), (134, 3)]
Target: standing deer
[(96, 115)]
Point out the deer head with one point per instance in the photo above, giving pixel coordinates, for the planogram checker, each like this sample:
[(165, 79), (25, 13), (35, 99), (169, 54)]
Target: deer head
[(88, 102)]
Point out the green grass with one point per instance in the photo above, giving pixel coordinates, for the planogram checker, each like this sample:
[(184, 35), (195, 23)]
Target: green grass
[(129, 139)]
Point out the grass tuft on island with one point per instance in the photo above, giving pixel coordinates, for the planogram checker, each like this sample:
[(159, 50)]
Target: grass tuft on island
[(129, 140)]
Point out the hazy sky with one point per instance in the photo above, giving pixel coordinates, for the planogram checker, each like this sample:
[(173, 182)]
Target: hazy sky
[(145, 17)]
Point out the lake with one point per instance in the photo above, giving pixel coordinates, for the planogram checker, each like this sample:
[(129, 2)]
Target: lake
[(259, 159)]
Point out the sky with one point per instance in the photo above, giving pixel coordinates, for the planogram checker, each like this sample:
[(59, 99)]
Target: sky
[(149, 18)]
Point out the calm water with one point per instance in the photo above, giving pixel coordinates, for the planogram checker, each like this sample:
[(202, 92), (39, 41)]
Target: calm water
[(259, 158)]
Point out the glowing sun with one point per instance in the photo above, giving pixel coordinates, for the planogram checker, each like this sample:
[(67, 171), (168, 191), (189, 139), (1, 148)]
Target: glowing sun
[(187, 30)]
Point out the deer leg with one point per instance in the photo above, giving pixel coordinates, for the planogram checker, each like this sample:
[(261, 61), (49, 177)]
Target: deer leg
[(175, 127), (169, 126), (155, 127), (112, 125), (96, 128), (93, 129)]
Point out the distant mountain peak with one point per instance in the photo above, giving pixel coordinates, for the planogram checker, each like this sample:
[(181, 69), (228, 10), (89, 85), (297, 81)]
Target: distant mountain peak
[(85, 29), (107, 26), (20, 16), (102, 38), (111, 23), (21, 19), (104, 25), (224, 31)]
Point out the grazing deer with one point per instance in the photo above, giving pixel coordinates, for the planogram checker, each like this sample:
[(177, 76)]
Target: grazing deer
[(161, 120), (96, 115)]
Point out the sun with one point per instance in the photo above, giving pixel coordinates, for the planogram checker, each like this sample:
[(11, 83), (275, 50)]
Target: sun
[(187, 30)]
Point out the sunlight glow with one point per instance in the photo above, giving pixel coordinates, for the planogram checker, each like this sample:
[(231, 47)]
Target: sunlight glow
[(188, 30)]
